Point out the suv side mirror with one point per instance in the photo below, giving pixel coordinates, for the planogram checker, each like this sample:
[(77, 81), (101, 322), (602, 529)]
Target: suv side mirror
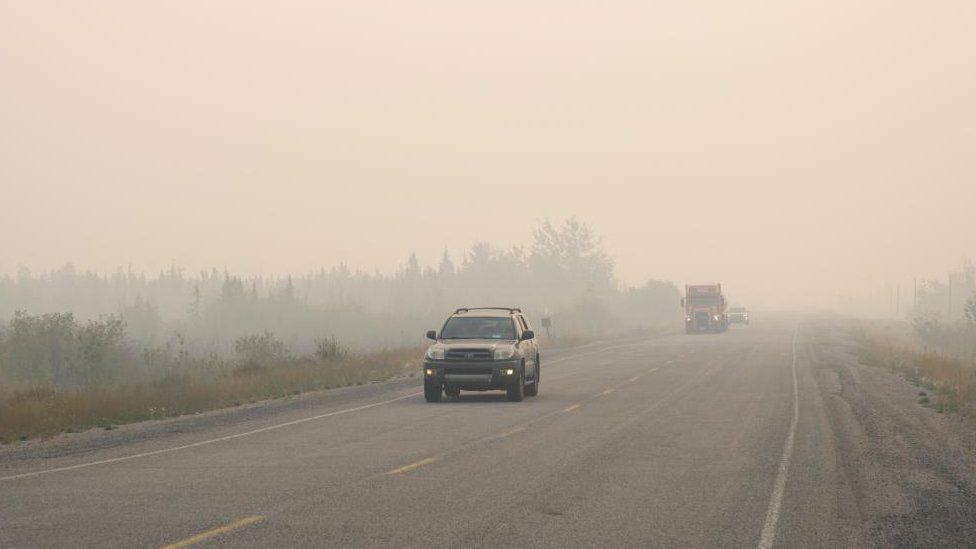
[(528, 334), (431, 334)]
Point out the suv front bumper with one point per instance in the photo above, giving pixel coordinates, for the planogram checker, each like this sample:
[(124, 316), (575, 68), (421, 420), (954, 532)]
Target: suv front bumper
[(483, 375)]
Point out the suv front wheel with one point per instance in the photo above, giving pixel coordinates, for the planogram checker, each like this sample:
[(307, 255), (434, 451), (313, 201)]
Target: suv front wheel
[(432, 391), (516, 391), (533, 390)]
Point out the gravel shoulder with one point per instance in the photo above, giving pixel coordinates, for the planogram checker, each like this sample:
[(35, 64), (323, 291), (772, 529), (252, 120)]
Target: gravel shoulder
[(909, 471)]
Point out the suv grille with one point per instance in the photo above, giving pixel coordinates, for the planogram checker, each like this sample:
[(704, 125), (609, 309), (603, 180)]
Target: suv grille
[(477, 370), (469, 354)]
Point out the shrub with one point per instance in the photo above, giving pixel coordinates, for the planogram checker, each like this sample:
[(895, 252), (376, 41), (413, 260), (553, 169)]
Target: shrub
[(328, 349), (55, 349), (258, 351)]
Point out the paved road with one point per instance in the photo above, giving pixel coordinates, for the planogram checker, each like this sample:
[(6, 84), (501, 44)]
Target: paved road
[(732, 440)]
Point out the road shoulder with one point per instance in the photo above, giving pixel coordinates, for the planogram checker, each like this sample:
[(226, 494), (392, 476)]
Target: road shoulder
[(910, 470)]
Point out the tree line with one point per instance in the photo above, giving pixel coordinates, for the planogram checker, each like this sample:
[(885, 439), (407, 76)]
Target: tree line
[(72, 326)]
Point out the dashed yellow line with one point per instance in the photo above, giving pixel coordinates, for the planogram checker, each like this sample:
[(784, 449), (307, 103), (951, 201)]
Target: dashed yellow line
[(569, 409), (412, 466), (510, 432), (633, 379), (204, 536), (607, 391)]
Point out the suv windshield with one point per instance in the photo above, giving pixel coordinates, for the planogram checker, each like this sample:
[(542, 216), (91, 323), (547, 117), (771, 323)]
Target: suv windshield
[(468, 327)]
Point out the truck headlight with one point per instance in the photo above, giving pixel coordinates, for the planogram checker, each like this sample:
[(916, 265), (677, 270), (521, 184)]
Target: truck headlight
[(435, 353), (504, 353)]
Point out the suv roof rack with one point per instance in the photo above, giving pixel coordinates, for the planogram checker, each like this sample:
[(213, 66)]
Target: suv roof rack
[(509, 309)]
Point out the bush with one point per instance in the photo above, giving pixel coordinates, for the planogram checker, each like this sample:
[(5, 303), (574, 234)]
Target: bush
[(54, 349), (259, 351), (970, 310), (328, 349), (955, 338)]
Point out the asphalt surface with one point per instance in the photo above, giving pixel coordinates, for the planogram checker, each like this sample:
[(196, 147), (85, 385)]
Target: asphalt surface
[(765, 436)]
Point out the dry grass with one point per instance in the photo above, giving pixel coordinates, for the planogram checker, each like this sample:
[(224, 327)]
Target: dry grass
[(950, 380), (43, 412)]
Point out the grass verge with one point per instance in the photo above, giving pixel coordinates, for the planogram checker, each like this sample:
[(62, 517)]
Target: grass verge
[(43, 412), (949, 383)]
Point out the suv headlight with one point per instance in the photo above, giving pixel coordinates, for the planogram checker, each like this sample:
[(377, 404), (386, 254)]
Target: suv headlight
[(435, 353), (504, 353)]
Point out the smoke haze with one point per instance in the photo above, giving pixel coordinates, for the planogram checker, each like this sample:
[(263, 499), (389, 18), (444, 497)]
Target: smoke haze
[(796, 152)]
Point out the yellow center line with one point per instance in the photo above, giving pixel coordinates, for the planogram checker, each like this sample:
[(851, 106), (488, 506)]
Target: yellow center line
[(568, 409), (607, 391), (199, 538), (412, 466), (510, 432), (633, 379)]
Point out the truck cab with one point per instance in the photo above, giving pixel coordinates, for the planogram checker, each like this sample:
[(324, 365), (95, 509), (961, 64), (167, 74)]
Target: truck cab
[(705, 309)]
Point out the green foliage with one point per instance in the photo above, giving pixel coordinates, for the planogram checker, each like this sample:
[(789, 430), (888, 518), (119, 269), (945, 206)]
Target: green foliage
[(970, 310), (55, 349), (329, 348), (571, 254), (102, 351), (258, 351), (957, 338), (40, 347)]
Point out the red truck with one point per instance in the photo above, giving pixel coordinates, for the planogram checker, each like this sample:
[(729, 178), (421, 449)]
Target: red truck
[(704, 306)]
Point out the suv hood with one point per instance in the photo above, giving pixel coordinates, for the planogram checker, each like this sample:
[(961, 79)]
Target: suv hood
[(491, 344)]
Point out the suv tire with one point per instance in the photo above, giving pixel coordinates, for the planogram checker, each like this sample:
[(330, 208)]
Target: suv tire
[(516, 391), (432, 391), (533, 390), (452, 392)]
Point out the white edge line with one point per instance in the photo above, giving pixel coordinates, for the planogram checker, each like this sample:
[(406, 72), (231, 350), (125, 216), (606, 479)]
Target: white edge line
[(776, 500), (206, 442)]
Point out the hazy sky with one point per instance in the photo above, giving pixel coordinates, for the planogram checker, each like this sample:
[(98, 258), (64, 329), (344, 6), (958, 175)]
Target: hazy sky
[(788, 149)]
